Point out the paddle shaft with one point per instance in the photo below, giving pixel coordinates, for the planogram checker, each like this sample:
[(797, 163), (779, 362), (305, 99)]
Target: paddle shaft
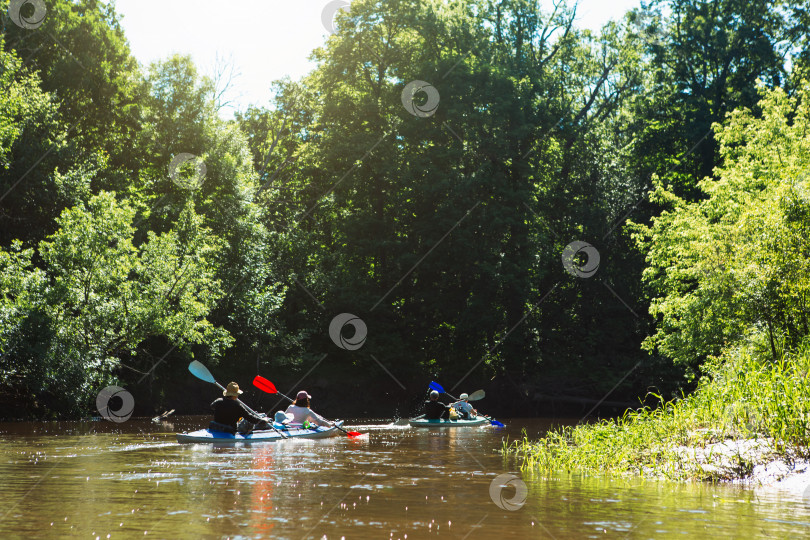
[(251, 411), (426, 398), (491, 419), (201, 372), (254, 413), (482, 414), (293, 401), (455, 398), (485, 416)]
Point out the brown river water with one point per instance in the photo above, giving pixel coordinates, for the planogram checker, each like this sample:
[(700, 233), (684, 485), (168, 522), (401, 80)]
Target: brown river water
[(133, 480)]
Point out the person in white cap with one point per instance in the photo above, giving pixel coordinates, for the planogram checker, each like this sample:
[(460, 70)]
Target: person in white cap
[(465, 410), (302, 414)]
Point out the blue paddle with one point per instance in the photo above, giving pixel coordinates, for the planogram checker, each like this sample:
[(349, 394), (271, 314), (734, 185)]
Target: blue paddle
[(436, 386)]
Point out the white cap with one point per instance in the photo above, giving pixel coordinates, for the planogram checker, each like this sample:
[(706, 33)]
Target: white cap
[(283, 418)]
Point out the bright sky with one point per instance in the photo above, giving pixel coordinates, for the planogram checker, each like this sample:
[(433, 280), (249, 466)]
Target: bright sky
[(267, 39)]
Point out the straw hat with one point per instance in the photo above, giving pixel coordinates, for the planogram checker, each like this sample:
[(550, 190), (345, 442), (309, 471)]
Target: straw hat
[(232, 390)]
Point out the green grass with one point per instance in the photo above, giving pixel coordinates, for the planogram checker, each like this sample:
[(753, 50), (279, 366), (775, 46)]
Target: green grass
[(742, 397)]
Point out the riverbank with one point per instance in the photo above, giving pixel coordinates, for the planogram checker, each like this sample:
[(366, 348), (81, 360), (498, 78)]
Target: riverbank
[(748, 422)]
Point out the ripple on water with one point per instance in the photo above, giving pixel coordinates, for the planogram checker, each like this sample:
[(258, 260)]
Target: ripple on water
[(397, 481)]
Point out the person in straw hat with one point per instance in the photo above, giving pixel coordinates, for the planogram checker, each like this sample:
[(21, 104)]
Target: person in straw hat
[(228, 410)]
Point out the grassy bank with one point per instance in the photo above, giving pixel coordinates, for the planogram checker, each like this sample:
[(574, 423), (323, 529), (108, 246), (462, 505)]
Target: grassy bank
[(743, 398)]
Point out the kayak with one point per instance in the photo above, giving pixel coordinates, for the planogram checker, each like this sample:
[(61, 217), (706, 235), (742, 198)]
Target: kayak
[(268, 435), (480, 421)]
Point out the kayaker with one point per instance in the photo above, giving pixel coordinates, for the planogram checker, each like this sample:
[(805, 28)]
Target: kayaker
[(302, 414), (464, 408), (435, 409), (228, 410)]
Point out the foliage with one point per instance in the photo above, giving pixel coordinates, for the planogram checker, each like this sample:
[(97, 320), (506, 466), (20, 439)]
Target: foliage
[(384, 209), (443, 233), (745, 399), (705, 61), (736, 261), (100, 297), (732, 271)]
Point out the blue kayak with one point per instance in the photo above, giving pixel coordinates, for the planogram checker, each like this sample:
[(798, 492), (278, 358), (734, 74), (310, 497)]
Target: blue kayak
[(268, 435)]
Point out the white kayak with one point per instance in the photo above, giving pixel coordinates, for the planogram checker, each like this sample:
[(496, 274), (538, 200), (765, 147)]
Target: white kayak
[(268, 435), (422, 422)]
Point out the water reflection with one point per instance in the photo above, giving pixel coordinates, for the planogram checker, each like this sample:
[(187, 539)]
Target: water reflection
[(133, 479), (262, 492)]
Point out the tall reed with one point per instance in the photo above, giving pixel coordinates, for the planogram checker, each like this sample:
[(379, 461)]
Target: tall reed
[(741, 397)]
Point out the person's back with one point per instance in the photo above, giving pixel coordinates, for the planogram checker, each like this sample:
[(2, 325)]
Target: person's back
[(465, 408), (228, 410), (305, 414), (301, 412), (435, 409)]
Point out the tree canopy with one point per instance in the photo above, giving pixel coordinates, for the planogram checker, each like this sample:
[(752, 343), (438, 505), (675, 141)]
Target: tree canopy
[(500, 198)]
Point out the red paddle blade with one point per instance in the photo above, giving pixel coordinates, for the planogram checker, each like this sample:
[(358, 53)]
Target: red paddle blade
[(264, 385), (353, 433)]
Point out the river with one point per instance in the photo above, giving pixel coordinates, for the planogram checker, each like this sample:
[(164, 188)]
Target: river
[(132, 480)]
